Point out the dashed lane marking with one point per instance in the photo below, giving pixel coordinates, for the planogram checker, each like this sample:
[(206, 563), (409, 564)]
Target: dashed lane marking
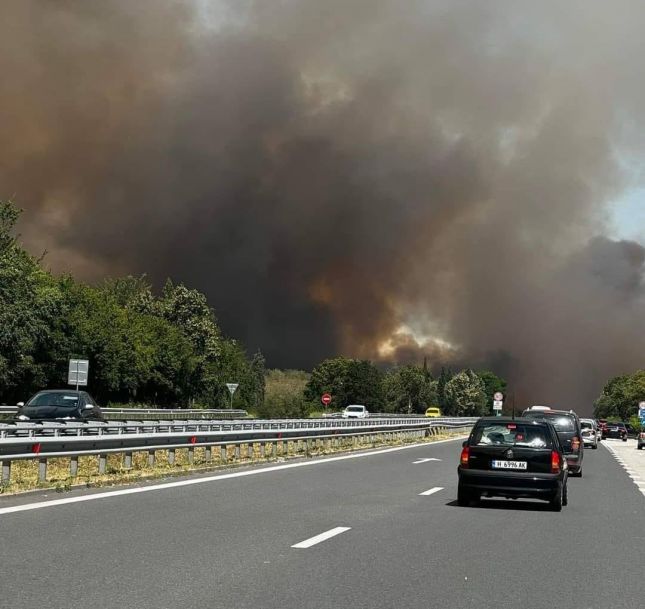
[(312, 541), (432, 491), (635, 477)]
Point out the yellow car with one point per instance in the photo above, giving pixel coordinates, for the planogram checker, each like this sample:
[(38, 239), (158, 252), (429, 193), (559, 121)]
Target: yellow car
[(433, 412)]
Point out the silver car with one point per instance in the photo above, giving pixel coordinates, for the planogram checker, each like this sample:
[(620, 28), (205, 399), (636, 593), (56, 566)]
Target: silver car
[(589, 433)]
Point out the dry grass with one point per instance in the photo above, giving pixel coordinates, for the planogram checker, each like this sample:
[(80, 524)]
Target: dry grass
[(24, 474)]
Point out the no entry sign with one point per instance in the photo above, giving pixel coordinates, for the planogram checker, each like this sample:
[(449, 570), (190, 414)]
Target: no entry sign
[(326, 399)]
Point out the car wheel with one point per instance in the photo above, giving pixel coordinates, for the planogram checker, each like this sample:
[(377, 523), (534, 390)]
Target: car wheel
[(624, 439), (565, 495), (577, 474), (557, 502), (639, 447), (595, 446), (463, 496)]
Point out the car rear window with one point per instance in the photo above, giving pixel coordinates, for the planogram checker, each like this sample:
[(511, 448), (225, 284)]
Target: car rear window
[(354, 409), (586, 425), (561, 422), (511, 434)]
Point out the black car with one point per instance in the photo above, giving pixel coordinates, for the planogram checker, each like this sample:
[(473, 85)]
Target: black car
[(631, 432), (615, 430), (513, 458), (60, 404), (567, 426)]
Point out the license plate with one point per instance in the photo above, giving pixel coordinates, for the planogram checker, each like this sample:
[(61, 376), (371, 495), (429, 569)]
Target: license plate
[(509, 464)]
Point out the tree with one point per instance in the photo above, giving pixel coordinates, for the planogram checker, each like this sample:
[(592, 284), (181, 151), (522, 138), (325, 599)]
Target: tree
[(349, 381), (620, 396), (30, 302), (492, 384), (409, 389), (465, 395), (442, 381)]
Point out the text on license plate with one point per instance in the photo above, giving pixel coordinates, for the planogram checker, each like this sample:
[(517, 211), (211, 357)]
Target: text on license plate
[(509, 464)]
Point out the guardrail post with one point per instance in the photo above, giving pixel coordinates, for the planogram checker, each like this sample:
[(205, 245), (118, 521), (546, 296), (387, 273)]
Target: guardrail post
[(223, 453), (73, 467), (127, 461), (191, 455), (102, 463), (208, 454), (237, 452), (151, 458), (171, 456), (262, 450), (249, 450), (6, 471), (42, 469)]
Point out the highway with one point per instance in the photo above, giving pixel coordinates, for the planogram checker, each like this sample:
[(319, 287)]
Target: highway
[(391, 535)]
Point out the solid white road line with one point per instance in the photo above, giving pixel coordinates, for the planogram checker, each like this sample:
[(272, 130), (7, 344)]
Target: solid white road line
[(312, 541), (253, 472), (425, 460), (432, 491)]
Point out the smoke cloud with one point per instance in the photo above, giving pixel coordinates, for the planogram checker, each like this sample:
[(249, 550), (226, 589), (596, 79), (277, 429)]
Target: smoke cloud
[(380, 179)]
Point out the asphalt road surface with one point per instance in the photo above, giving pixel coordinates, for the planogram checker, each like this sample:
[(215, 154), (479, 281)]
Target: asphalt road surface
[(379, 531)]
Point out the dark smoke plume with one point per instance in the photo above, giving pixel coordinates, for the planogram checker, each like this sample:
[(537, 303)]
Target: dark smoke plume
[(371, 177)]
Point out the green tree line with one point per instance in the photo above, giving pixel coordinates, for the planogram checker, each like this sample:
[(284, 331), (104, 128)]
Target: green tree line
[(165, 350)]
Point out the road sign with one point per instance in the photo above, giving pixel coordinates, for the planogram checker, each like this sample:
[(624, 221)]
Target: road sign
[(641, 412), (498, 396), (326, 399), (497, 404), (232, 387), (78, 372)]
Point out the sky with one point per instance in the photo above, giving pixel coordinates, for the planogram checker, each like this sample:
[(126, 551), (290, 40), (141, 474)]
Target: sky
[(628, 216)]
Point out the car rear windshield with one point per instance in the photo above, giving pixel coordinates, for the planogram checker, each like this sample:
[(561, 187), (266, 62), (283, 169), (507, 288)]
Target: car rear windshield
[(586, 425), (561, 422), (354, 409), (511, 434), (54, 399)]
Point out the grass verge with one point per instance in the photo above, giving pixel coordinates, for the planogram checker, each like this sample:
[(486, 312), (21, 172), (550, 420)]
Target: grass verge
[(24, 474)]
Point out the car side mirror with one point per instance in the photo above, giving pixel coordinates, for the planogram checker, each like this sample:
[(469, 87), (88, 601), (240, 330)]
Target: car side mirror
[(464, 443), (20, 404)]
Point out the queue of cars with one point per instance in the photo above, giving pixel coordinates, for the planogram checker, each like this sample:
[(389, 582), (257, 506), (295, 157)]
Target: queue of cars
[(530, 456)]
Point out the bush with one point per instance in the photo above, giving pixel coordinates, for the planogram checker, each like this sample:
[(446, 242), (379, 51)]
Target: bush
[(284, 406)]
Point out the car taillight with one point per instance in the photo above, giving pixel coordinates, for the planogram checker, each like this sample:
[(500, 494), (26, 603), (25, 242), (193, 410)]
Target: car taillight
[(555, 462), (575, 443), (465, 453)]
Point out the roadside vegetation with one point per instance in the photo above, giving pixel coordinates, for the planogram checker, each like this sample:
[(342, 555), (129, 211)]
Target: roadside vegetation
[(166, 349), (620, 397)]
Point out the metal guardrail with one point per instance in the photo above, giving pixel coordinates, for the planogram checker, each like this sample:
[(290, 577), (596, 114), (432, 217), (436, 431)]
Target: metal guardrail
[(33, 441), (112, 414)]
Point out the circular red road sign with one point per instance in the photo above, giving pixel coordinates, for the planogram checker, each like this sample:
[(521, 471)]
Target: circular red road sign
[(326, 399)]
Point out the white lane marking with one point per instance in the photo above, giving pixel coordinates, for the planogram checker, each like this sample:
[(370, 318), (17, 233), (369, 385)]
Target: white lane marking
[(159, 487), (312, 541), (425, 460), (432, 491)]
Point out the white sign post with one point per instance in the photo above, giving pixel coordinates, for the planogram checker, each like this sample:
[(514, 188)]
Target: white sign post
[(641, 412), (232, 387), (78, 372), (498, 402)]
